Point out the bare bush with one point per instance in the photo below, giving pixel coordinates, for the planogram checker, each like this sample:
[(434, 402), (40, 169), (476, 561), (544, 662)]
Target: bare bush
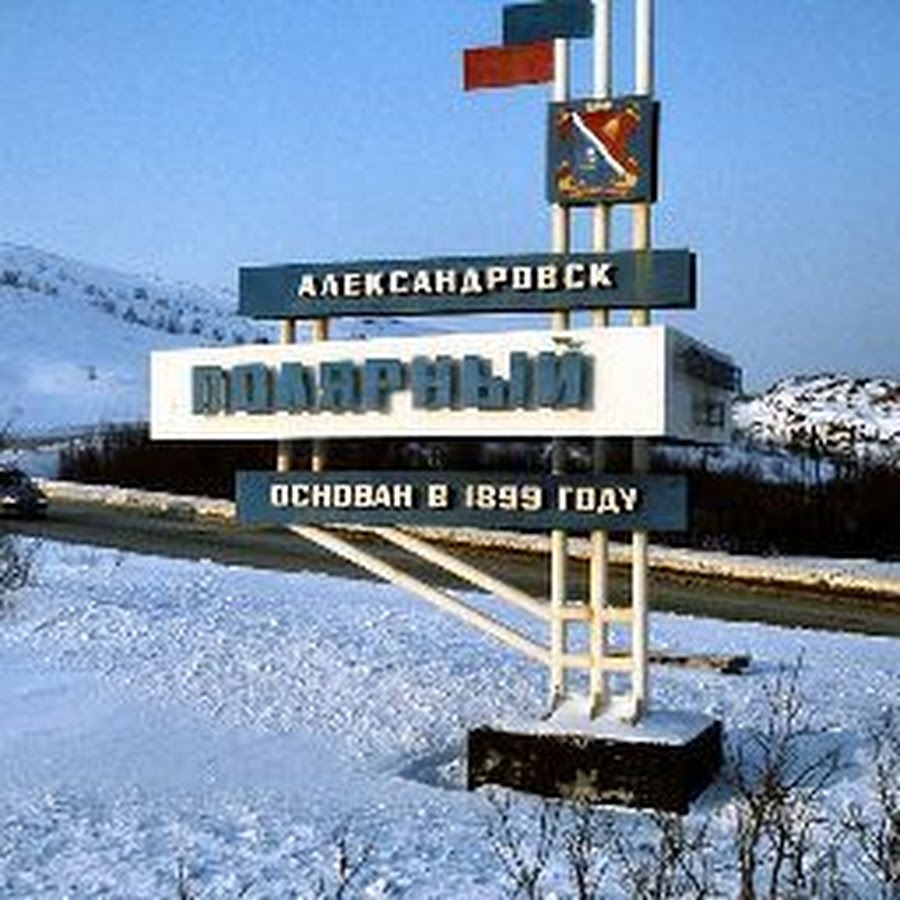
[(599, 852), (675, 862), (589, 835), (876, 833), (524, 846), (16, 566), (183, 888), (349, 865), (779, 775)]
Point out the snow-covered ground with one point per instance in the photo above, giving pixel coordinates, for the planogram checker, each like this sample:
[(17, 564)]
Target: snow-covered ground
[(157, 714)]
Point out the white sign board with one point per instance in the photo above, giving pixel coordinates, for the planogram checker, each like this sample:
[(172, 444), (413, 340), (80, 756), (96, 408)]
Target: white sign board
[(627, 382)]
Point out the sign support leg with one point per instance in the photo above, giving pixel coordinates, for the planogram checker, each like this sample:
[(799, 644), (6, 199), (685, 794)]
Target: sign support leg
[(640, 541), (558, 625), (599, 601), (598, 696), (641, 239), (560, 321), (599, 562), (319, 447), (640, 450), (284, 454)]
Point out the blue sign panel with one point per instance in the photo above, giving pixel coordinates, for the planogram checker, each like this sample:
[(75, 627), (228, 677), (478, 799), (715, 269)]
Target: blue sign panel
[(527, 23), (602, 151), (489, 500), (525, 283)]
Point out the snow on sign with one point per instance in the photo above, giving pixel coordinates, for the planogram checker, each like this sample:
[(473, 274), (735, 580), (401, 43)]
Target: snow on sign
[(602, 151), (472, 500), (653, 382)]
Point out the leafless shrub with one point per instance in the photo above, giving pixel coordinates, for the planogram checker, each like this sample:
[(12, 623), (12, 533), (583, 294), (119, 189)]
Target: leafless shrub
[(16, 566), (349, 865), (523, 845), (779, 775), (599, 852), (674, 863), (183, 888), (590, 832), (876, 833)]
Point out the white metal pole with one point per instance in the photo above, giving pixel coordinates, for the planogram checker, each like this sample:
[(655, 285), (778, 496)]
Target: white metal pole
[(602, 91), (641, 229), (285, 450), (643, 85), (643, 48), (598, 590), (560, 222), (317, 458), (560, 218), (602, 48), (641, 239), (464, 570), (640, 601)]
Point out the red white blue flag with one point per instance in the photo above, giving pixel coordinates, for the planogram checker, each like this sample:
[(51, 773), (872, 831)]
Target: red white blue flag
[(495, 67)]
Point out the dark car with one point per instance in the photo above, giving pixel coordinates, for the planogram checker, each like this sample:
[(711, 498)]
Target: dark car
[(19, 495)]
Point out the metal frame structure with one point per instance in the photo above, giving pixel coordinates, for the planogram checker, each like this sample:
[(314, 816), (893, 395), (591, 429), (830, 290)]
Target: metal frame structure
[(560, 613), (602, 660)]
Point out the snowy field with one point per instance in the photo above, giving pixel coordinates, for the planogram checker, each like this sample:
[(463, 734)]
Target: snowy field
[(159, 716)]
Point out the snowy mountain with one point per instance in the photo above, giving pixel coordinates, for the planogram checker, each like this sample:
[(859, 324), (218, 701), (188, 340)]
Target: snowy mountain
[(826, 415), (78, 339)]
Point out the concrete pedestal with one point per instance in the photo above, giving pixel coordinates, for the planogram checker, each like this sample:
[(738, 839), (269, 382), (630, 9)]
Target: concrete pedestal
[(663, 762)]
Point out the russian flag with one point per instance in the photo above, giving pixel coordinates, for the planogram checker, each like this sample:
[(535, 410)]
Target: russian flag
[(508, 66)]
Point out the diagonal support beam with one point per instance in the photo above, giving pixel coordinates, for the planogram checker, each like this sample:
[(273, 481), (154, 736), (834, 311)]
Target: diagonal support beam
[(441, 599), (465, 571)]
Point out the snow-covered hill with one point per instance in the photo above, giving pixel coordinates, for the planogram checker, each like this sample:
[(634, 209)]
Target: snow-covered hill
[(827, 415), (77, 339)]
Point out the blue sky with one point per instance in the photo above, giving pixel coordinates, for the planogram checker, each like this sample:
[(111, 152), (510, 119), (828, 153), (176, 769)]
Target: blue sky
[(187, 139)]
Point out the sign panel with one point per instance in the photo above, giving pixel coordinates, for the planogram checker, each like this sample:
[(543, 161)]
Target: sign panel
[(524, 23), (602, 151), (487, 500), (497, 67), (628, 382), (476, 284)]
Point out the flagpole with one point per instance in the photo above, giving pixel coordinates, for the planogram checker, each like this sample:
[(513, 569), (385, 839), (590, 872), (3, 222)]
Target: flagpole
[(602, 91), (560, 321), (641, 240), (560, 214), (598, 590)]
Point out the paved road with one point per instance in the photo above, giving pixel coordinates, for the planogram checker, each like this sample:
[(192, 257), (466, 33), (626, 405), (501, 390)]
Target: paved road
[(270, 549)]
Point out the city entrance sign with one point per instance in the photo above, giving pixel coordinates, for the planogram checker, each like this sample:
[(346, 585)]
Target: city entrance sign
[(483, 500), (638, 382), (653, 382), (474, 284)]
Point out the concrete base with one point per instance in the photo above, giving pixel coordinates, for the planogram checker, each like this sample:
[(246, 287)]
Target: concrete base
[(663, 762)]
